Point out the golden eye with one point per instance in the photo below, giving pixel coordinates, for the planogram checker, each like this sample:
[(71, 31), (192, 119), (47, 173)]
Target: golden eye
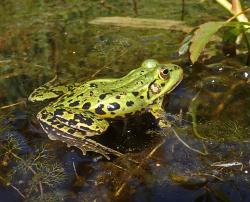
[(164, 74)]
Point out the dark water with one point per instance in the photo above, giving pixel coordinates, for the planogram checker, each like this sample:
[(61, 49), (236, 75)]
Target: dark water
[(41, 39)]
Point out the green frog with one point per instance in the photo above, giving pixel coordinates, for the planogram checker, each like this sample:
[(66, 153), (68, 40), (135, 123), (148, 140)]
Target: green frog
[(81, 110)]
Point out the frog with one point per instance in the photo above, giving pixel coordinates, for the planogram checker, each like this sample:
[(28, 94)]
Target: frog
[(78, 111)]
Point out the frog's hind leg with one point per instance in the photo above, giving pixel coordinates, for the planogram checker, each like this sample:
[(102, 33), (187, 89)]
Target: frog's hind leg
[(81, 120), (62, 131)]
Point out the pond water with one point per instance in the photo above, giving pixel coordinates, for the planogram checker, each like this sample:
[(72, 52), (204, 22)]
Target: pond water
[(204, 156)]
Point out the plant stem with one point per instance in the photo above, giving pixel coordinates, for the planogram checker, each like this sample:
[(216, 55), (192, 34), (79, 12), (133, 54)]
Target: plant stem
[(189, 147), (233, 8), (121, 188), (18, 191), (31, 169), (182, 10), (225, 4), (248, 46), (135, 8)]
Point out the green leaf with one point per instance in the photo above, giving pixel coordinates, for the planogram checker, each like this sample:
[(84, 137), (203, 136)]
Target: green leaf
[(202, 36), (185, 44)]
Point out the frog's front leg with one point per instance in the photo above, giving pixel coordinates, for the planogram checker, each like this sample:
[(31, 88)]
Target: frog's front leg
[(159, 113), (68, 128)]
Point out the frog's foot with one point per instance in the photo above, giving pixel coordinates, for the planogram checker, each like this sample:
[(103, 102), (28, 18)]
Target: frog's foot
[(164, 124), (74, 129), (79, 140), (159, 113), (160, 116)]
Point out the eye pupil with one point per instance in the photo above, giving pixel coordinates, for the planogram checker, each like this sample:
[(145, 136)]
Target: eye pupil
[(165, 71)]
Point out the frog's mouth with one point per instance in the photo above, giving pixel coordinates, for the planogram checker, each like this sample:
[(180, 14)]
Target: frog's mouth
[(177, 76), (176, 84)]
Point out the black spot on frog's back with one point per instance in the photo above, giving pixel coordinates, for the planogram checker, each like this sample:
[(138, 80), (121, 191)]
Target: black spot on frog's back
[(129, 114), (86, 105), (129, 103), (74, 104), (135, 93), (113, 106), (102, 96), (99, 109), (59, 112)]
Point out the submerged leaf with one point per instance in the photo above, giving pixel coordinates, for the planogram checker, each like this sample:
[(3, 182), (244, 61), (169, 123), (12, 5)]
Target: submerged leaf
[(185, 44), (202, 36), (146, 23)]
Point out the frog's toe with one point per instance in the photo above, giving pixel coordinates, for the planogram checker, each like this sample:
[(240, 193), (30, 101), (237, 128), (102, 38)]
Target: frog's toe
[(79, 139)]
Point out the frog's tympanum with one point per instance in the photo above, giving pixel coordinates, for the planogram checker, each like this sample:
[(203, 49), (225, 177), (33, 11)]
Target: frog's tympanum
[(81, 110)]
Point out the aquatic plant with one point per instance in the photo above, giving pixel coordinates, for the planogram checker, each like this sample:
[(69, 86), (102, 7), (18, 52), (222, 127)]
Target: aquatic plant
[(31, 174), (197, 39)]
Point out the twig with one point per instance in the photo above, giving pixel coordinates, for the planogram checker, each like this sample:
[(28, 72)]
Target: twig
[(39, 155), (18, 191), (41, 189), (12, 105), (54, 54), (227, 165), (229, 7), (74, 167), (189, 147), (210, 175), (227, 97), (192, 111), (248, 47), (237, 14), (5, 61), (182, 10), (118, 192), (135, 7), (119, 167), (107, 5), (31, 169)]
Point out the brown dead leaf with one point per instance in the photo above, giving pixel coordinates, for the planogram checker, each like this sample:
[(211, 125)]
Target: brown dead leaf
[(145, 23)]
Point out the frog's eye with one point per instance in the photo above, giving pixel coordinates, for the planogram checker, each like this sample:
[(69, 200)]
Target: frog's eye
[(164, 74), (150, 64)]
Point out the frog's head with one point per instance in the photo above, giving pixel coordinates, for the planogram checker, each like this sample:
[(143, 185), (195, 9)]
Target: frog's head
[(166, 78)]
